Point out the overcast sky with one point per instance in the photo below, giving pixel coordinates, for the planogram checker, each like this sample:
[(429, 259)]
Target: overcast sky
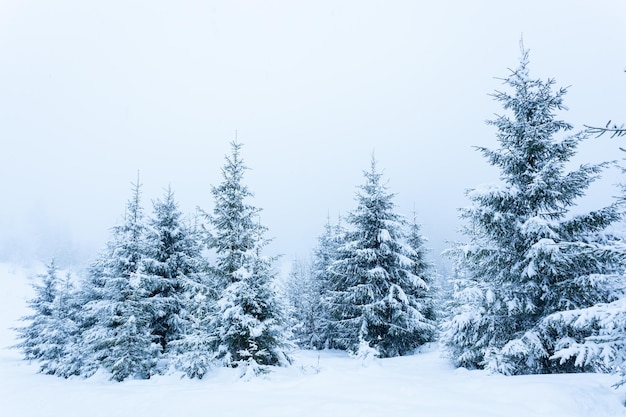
[(92, 91)]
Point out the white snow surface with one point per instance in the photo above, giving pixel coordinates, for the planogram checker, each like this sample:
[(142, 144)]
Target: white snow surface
[(326, 383)]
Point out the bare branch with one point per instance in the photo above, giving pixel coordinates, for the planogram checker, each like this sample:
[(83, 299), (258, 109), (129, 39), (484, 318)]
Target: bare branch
[(614, 130)]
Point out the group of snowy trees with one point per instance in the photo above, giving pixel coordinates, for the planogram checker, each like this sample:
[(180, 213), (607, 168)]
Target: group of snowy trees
[(537, 288), (369, 287), (153, 301)]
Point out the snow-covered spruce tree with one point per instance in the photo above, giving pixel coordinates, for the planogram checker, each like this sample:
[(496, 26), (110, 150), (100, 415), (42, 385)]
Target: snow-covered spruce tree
[(248, 322), (51, 335), (426, 292), (117, 319), (374, 299), (177, 277), (67, 308), (193, 353), (303, 294), (172, 266), (528, 256), (34, 345), (324, 254), (307, 291)]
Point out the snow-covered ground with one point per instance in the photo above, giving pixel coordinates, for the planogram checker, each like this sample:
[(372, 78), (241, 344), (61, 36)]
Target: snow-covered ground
[(318, 384)]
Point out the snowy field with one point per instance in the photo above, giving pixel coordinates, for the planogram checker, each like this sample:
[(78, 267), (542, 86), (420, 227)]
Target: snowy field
[(318, 384)]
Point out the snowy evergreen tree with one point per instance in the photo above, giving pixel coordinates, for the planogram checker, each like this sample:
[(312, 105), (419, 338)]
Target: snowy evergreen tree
[(33, 344), (324, 254), (193, 353), (426, 292), (528, 256), (374, 296), (248, 321), (173, 264), (67, 307), (304, 298), (51, 335), (117, 322)]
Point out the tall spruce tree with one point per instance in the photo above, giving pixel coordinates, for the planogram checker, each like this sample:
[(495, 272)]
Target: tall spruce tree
[(117, 323), (172, 266), (248, 321), (180, 283), (528, 256), (373, 299)]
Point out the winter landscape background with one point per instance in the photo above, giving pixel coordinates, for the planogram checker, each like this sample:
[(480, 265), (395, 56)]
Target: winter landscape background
[(319, 268)]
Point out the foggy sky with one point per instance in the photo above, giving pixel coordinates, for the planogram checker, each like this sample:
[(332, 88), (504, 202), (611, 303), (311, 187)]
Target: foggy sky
[(92, 92)]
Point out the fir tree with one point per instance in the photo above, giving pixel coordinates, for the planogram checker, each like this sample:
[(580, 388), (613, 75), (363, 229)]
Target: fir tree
[(373, 298), (304, 298), (172, 265), (324, 254), (193, 352), (51, 335), (528, 257), (117, 323), (425, 292), (33, 343), (248, 322), (67, 307)]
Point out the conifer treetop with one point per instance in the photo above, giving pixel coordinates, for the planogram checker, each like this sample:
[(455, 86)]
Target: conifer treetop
[(531, 157), (236, 229)]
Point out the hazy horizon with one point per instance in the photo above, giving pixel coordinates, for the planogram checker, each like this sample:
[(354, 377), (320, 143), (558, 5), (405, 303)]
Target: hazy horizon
[(93, 93)]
